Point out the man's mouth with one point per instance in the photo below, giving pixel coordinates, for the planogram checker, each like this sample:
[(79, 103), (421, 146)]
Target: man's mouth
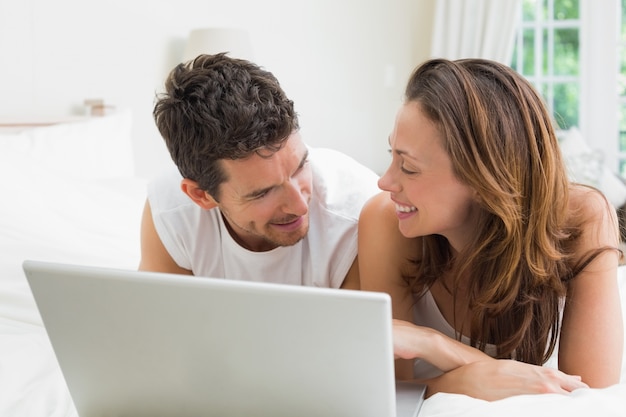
[(289, 225)]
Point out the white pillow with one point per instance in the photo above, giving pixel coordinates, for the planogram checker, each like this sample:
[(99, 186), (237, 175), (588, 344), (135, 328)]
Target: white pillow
[(92, 148), (586, 166)]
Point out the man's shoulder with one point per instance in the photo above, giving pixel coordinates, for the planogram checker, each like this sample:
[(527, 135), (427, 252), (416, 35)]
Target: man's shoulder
[(168, 175), (341, 184), (333, 165), (164, 191)]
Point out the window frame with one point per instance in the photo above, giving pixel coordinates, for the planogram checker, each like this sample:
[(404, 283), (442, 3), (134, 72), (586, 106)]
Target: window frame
[(546, 26), (599, 70), (599, 101)]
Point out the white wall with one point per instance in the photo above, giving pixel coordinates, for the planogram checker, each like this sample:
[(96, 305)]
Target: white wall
[(343, 62)]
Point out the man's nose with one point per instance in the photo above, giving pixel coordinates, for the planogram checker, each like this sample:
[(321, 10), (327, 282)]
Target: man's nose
[(296, 199)]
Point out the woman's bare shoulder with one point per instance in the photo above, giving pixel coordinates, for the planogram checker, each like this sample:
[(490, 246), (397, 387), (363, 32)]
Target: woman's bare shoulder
[(589, 204), (385, 255), (380, 239), (594, 216), (378, 218), (379, 204)]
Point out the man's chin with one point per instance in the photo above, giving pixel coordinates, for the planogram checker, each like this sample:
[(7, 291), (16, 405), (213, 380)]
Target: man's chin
[(291, 238)]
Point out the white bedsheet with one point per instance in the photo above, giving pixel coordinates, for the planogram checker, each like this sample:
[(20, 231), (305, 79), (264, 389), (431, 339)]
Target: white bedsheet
[(61, 218)]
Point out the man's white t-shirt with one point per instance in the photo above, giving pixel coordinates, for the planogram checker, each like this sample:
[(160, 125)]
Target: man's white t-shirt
[(198, 240)]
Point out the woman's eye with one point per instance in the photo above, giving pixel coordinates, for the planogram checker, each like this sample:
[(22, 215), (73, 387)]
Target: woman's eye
[(407, 171)]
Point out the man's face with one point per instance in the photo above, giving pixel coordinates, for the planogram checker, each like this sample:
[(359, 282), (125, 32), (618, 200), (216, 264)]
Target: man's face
[(265, 200)]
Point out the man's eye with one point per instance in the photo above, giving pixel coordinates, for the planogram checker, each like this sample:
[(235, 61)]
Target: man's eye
[(258, 195)]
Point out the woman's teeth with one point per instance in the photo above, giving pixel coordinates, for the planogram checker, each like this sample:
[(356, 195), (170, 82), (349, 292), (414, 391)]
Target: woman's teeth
[(405, 209)]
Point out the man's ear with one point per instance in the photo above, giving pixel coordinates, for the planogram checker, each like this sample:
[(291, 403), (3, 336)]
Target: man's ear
[(197, 194)]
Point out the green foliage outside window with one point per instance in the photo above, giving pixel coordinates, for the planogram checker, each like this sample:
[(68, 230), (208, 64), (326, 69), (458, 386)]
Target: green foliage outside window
[(566, 104), (556, 24)]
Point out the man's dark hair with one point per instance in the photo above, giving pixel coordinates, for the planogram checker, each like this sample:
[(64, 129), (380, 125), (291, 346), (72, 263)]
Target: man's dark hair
[(215, 107)]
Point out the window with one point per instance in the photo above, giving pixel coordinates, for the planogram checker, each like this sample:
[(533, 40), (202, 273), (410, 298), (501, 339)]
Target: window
[(569, 49), (547, 53)]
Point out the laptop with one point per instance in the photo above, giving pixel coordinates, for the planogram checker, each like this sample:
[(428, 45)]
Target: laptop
[(133, 343)]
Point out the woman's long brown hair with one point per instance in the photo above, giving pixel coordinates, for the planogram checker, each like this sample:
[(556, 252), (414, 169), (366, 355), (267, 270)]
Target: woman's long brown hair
[(500, 138)]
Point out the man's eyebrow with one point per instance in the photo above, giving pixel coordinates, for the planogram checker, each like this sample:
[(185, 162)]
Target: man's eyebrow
[(259, 192)]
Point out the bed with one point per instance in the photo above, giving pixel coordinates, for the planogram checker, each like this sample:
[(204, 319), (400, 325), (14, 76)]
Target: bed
[(69, 194)]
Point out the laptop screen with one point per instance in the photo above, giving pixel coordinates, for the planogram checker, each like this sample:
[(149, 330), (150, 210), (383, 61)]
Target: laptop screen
[(153, 344)]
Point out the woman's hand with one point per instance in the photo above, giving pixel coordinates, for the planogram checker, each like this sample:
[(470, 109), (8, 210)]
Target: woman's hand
[(494, 379), (470, 371), (411, 341)]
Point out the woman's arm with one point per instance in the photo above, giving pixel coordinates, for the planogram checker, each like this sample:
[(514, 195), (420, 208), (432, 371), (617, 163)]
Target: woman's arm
[(592, 333), (383, 254), (495, 379), (411, 341), (383, 257)]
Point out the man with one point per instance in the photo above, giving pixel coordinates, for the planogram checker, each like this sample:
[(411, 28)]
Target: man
[(250, 200)]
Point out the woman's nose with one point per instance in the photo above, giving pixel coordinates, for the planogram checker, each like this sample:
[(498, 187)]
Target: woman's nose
[(386, 182)]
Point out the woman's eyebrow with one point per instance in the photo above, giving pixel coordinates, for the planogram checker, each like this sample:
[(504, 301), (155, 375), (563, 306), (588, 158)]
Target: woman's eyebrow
[(396, 151), (305, 157)]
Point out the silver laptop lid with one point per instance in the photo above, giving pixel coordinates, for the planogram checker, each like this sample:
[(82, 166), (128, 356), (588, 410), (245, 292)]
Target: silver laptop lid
[(151, 344)]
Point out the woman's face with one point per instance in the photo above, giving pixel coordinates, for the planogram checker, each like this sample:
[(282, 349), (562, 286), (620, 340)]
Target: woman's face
[(429, 198)]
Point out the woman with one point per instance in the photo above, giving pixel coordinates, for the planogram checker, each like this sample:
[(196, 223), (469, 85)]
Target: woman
[(493, 260)]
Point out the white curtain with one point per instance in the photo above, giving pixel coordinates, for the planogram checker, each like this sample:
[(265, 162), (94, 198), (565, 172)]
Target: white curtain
[(475, 29)]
